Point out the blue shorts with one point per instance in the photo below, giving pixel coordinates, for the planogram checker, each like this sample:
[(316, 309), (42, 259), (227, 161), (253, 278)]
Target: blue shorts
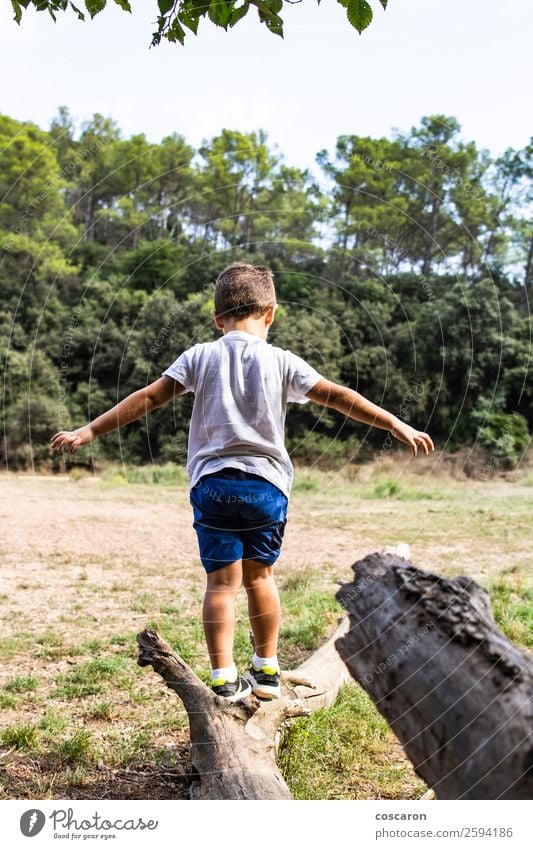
[(237, 515)]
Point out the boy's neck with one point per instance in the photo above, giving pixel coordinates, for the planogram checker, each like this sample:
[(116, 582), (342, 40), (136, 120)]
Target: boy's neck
[(255, 326)]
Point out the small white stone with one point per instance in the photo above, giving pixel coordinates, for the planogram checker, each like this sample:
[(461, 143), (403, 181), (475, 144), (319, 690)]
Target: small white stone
[(401, 549)]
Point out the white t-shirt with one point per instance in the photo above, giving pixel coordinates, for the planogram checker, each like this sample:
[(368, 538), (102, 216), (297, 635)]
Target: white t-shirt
[(241, 385)]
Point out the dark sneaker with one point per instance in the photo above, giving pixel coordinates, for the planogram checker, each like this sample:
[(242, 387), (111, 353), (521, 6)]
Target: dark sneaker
[(232, 691), (265, 682)]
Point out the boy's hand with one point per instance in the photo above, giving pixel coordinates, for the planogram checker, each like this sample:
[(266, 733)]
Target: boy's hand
[(405, 433), (72, 439)]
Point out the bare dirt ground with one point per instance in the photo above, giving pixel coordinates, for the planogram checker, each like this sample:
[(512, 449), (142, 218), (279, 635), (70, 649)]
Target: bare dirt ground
[(86, 564)]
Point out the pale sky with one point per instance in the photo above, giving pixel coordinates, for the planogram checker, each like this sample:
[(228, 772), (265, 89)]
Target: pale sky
[(466, 58)]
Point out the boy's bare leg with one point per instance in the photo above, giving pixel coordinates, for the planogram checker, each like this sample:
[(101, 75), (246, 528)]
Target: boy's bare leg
[(263, 606), (219, 613)]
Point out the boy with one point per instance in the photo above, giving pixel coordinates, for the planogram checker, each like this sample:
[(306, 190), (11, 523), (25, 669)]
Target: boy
[(239, 469)]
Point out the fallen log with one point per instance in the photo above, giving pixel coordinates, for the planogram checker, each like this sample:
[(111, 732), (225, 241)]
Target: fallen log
[(233, 746), (456, 692)]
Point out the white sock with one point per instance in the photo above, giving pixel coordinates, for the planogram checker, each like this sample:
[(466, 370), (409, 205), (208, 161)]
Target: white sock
[(259, 662), (229, 673)]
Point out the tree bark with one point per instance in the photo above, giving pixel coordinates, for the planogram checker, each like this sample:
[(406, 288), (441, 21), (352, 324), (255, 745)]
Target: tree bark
[(233, 746), (455, 691)]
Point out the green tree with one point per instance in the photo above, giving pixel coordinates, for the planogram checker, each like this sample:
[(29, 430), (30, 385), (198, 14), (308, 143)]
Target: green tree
[(111, 277), (366, 209), (514, 182)]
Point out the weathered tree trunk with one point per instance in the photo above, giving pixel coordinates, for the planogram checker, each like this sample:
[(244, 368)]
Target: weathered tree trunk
[(233, 746), (455, 691)]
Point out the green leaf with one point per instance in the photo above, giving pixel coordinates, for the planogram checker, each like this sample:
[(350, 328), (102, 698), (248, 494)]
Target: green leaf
[(94, 6), (17, 10), (81, 16), (384, 3), (268, 16), (359, 14), (275, 25), (189, 20), (165, 6), (175, 32), (124, 4), (220, 12), (237, 14)]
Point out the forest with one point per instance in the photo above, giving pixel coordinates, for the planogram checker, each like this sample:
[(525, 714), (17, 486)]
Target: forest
[(403, 268)]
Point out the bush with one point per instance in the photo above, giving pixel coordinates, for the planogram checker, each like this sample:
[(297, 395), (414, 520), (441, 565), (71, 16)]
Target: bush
[(325, 452), (30, 425), (504, 437)]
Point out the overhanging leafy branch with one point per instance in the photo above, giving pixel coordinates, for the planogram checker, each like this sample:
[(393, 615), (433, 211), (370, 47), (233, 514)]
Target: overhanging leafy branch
[(175, 17)]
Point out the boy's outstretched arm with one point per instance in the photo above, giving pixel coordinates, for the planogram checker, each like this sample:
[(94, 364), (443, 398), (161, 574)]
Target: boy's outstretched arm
[(132, 407), (356, 406)]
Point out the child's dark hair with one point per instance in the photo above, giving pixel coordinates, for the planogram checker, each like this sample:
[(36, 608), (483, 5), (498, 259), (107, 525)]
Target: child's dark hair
[(243, 290)]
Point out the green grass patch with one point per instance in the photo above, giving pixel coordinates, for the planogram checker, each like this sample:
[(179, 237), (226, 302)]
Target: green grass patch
[(387, 487), (125, 748), (15, 644), (175, 720), (53, 723), (168, 474), (50, 645), (77, 777), (101, 710), (77, 748), (306, 481), (185, 634), (19, 736), (89, 679), (22, 684), (344, 752), (91, 647), (309, 612), (8, 700), (512, 602), (140, 697), (145, 603), (123, 639)]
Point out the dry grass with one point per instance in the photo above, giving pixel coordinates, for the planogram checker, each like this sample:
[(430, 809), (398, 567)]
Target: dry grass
[(89, 562)]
